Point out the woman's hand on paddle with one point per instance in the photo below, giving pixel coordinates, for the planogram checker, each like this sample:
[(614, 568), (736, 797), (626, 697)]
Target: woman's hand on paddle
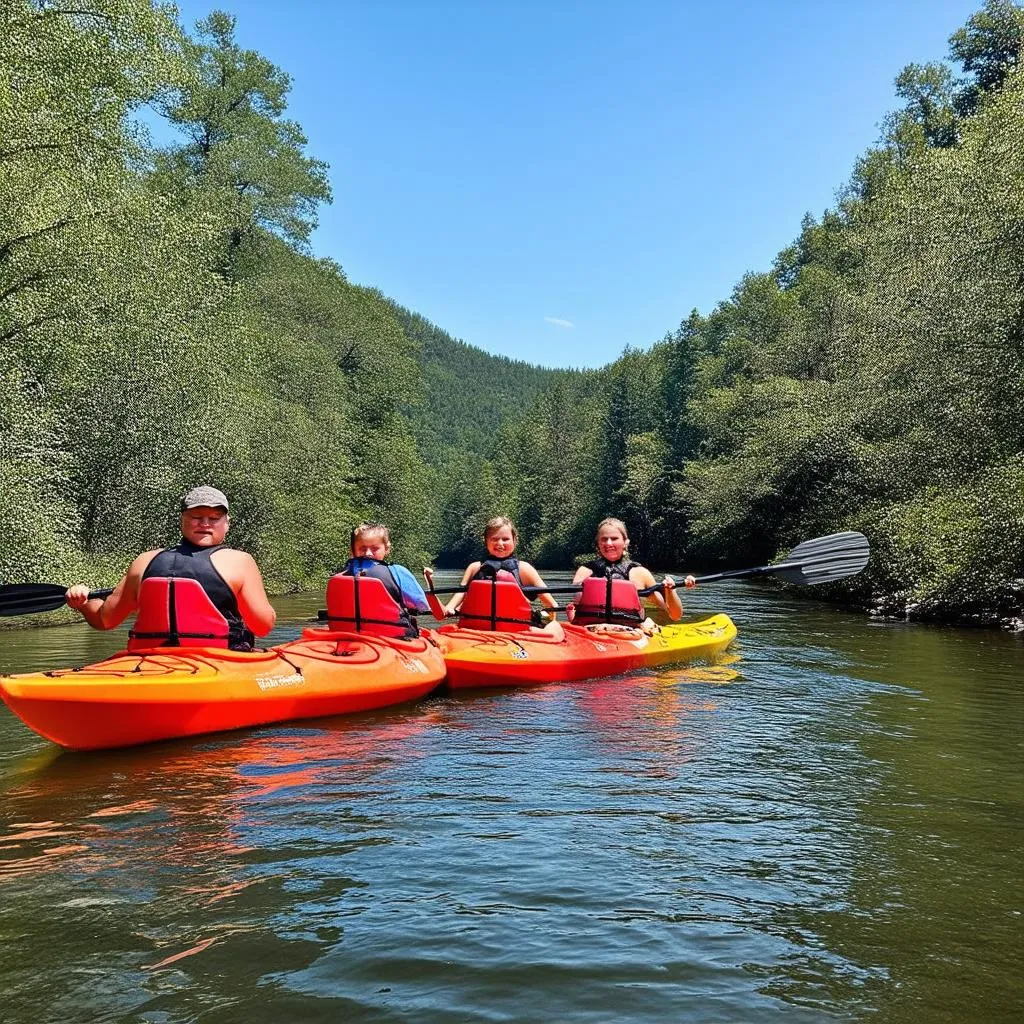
[(673, 605)]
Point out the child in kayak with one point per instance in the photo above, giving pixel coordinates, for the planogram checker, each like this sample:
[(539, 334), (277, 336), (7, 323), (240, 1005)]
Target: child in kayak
[(613, 563), (370, 546), (500, 538)]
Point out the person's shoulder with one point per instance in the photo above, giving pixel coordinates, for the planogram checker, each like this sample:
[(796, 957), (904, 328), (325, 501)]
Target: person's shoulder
[(406, 579), (140, 562), (234, 558)]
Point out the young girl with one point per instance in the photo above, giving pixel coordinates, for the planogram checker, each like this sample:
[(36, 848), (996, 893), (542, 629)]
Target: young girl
[(500, 537), (613, 563), (370, 547)]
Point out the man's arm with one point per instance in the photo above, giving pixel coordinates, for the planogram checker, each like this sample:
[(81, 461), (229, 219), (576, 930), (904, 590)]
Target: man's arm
[(245, 580), (110, 612)]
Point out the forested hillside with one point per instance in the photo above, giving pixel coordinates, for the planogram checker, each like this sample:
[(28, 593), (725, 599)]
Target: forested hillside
[(165, 322), (467, 393), (872, 379)]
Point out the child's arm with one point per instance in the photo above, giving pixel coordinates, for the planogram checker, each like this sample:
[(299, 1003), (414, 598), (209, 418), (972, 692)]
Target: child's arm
[(412, 593), (532, 578), (455, 602)]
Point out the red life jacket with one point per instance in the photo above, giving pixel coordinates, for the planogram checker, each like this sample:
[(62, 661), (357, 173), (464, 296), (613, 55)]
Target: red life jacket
[(177, 613), (496, 605), (363, 604), (608, 600)]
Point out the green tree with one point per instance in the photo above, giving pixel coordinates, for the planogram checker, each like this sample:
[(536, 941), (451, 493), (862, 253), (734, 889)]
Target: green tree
[(239, 147), (930, 105), (989, 48)]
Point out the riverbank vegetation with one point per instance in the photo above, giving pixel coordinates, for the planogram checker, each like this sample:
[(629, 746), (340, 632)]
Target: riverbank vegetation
[(165, 322), (163, 319)]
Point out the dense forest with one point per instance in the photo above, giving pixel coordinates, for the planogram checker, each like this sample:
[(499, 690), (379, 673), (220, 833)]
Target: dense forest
[(871, 379), (469, 396), (165, 322)]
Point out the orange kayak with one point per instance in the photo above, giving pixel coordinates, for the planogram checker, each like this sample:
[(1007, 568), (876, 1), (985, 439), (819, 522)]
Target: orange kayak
[(142, 696), (480, 658)]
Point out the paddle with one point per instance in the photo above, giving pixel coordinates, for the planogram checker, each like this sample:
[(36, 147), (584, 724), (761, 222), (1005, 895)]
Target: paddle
[(436, 608), (524, 589), (822, 560), (34, 598)]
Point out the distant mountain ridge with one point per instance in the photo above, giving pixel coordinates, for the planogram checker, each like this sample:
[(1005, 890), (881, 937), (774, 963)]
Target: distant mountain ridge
[(468, 393)]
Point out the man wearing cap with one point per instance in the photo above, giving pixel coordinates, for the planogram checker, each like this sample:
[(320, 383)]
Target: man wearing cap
[(227, 607)]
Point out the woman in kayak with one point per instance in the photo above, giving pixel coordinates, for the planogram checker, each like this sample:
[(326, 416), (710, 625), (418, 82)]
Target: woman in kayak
[(612, 603), (500, 538)]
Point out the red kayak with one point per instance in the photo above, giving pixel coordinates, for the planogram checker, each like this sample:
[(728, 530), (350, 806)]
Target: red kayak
[(476, 658)]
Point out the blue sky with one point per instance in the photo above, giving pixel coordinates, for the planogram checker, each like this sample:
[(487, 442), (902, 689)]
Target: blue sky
[(554, 181)]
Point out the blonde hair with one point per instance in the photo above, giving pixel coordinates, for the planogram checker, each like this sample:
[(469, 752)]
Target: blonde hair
[(499, 522), (366, 530), (618, 524)]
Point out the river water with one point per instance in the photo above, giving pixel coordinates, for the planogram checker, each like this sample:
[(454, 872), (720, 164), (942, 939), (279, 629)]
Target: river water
[(828, 828)]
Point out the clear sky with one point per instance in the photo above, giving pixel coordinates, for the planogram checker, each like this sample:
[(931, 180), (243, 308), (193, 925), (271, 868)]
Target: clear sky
[(555, 180)]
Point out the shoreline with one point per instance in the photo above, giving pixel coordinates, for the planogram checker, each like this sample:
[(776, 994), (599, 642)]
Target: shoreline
[(885, 608)]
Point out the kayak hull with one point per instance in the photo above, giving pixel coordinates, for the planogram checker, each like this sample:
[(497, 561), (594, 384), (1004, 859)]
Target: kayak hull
[(164, 693), (475, 658)]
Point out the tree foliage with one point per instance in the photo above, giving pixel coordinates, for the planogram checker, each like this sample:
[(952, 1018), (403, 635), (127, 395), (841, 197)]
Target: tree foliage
[(162, 322), (238, 147), (873, 380)]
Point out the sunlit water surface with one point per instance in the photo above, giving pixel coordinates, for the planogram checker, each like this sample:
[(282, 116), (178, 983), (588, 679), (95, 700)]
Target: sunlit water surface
[(827, 828)]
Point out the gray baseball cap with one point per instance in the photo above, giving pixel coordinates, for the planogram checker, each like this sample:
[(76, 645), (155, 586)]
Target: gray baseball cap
[(204, 496)]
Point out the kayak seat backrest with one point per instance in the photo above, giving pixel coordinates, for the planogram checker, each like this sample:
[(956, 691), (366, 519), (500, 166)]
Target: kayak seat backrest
[(363, 605), (608, 600), (176, 613), (498, 606)]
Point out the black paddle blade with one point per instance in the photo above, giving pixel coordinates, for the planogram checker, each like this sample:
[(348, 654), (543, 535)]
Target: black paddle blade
[(825, 559), (30, 598)]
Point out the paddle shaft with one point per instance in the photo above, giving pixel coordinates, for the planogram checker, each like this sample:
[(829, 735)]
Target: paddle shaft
[(36, 598), (822, 560), (737, 573)]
